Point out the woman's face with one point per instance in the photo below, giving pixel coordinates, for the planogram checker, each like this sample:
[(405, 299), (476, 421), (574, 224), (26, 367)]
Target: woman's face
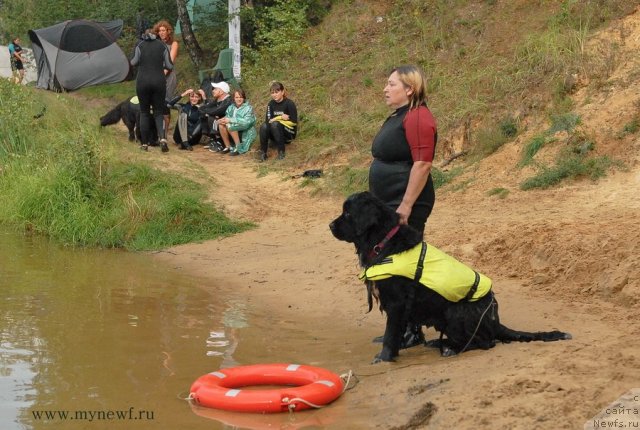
[(395, 93), (194, 98), (163, 33), (277, 95), (238, 99)]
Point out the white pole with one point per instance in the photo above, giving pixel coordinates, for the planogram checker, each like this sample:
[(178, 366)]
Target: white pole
[(234, 35)]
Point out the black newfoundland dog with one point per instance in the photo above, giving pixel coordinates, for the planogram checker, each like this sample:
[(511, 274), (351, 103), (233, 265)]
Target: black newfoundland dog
[(129, 112), (452, 298)]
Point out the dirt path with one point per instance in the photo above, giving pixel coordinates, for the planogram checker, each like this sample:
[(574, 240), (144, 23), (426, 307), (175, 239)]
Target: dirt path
[(565, 259)]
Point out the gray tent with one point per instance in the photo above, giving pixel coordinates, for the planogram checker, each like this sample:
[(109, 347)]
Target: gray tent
[(78, 53)]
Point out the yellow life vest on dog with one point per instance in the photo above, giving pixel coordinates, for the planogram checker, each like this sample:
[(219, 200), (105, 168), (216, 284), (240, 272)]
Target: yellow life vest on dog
[(435, 270)]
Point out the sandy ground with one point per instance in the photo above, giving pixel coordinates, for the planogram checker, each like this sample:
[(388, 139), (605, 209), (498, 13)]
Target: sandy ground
[(566, 258), (562, 259)]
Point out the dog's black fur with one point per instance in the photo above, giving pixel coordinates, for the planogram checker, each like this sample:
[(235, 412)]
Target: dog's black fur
[(129, 113), (365, 221)]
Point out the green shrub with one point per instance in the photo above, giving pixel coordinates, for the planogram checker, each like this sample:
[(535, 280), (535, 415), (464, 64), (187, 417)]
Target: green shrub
[(568, 167), (509, 127), (564, 122), (441, 178), (631, 127), (531, 149)]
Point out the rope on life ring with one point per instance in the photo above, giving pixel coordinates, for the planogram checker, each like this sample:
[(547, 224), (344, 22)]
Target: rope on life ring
[(306, 387)]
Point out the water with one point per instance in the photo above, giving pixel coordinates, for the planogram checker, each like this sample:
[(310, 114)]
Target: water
[(109, 339)]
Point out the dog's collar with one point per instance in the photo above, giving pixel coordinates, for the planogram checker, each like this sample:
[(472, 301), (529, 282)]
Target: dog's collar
[(377, 249)]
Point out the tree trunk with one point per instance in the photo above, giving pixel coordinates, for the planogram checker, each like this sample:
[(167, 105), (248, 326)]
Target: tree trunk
[(189, 39)]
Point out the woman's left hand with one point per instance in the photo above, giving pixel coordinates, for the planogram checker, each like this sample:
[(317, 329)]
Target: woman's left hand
[(404, 211)]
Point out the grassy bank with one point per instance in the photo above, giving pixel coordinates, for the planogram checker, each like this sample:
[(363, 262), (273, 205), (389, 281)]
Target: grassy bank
[(61, 177), (489, 64)]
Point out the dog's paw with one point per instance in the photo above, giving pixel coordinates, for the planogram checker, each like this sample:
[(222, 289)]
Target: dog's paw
[(447, 352), (383, 356)]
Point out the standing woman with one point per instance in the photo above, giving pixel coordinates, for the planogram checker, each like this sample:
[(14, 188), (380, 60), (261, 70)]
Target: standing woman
[(151, 56), (403, 151), (164, 30)]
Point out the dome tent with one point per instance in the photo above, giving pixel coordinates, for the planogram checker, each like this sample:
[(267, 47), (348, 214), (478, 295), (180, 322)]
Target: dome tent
[(78, 53)]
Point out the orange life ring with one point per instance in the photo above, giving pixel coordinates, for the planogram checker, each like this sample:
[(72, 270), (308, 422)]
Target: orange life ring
[(307, 387)]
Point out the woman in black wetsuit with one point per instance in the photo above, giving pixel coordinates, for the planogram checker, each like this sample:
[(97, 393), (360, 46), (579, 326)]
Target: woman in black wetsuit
[(188, 129), (151, 56), (403, 151)]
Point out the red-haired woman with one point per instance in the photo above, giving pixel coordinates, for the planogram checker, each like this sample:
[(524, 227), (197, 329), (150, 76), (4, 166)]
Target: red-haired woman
[(164, 30)]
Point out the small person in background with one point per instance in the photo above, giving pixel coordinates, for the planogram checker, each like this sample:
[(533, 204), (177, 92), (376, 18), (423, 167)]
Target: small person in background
[(281, 122), (238, 123), (17, 62), (151, 56), (188, 129), (214, 109), (142, 23)]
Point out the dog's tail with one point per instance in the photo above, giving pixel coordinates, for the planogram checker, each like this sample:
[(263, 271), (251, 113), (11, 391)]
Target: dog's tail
[(506, 335), (113, 116)]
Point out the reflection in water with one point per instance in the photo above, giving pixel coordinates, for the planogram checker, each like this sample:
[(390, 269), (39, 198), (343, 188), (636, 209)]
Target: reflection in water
[(86, 331), (224, 342)]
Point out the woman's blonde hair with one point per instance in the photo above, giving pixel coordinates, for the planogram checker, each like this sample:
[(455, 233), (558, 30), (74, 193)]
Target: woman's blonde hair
[(166, 25), (412, 77)]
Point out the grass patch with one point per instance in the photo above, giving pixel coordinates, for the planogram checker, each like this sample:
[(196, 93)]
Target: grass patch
[(61, 176), (499, 192), (569, 166), (346, 180), (488, 141), (631, 127), (442, 178), (564, 122)]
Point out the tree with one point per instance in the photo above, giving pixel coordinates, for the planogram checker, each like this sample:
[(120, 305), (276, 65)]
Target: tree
[(190, 41)]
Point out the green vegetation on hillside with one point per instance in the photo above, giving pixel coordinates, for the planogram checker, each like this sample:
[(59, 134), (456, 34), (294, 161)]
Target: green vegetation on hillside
[(61, 177), (489, 64)]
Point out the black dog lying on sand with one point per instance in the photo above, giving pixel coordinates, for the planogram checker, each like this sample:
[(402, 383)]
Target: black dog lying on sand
[(129, 112), (452, 298)]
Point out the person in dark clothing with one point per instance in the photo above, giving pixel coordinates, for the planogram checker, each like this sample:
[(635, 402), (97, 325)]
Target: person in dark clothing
[(142, 23), (403, 151), (188, 129), (213, 110), (17, 62), (151, 56), (281, 122)]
